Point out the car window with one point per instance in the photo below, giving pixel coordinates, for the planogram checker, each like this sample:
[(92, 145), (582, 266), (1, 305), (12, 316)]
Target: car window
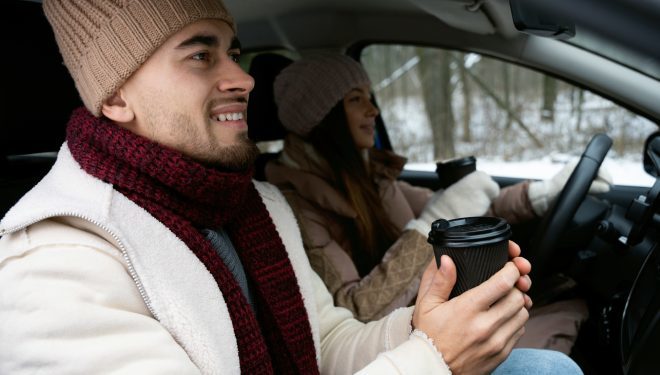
[(440, 104)]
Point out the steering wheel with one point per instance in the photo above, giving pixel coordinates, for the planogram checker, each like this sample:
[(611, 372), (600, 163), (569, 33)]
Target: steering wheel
[(558, 217)]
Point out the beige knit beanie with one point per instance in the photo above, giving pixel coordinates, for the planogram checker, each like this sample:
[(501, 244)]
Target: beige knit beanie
[(103, 42), (306, 90)]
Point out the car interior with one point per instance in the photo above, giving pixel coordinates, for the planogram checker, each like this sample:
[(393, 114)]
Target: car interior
[(607, 243)]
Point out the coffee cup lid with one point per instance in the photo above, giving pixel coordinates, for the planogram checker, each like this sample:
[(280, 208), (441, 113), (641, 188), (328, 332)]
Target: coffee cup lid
[(469, 231), (458, 162)]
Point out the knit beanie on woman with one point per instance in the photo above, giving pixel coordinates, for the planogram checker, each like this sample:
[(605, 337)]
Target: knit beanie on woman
[(103, 42), (306, 90)]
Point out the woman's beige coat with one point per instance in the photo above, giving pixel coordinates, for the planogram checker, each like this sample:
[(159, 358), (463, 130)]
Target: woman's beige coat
[(324, 214)]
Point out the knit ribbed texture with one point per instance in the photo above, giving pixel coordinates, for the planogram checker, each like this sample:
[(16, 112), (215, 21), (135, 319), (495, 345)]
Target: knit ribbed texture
[(103, 42), (306, 90), (186, 197)]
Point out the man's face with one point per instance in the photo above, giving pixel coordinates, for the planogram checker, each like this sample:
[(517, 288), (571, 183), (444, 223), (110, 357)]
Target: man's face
[(191, 96)]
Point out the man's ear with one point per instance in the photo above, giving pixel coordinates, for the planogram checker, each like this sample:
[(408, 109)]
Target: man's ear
[(116, 108)]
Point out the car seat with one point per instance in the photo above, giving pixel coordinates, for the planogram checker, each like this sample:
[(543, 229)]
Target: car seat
[(38, 97), (263, 122)]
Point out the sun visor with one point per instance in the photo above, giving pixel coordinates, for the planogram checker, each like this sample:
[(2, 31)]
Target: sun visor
[(533, 17), (469, 15)]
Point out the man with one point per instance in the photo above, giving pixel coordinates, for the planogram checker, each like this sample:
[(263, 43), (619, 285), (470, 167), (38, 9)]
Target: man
[(149, 249)]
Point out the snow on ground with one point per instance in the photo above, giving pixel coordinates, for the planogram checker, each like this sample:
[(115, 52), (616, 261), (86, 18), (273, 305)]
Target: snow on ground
[(411, 135), (623, 172)]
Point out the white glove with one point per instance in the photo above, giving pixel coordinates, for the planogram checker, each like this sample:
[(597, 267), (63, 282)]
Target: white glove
[(469, 196), (542, 193)]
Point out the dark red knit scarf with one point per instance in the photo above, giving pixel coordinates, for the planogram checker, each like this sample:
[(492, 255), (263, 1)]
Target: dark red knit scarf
[(186, 197)]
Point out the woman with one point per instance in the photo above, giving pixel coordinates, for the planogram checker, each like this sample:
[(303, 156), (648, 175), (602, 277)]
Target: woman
[(364, 231)]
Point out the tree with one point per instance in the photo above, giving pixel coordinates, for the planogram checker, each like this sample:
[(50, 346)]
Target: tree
[(507, 93), (435, 71), (467, 99), (549, 98)]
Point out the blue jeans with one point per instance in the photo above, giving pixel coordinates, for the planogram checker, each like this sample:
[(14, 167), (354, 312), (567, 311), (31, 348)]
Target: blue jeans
[(537, 362)]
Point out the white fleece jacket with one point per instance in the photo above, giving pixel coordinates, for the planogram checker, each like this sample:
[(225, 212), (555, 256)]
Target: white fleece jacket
[(91, 283)]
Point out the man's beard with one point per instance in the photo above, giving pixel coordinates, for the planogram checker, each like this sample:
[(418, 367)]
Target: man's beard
[(237, 157), (234, 158)]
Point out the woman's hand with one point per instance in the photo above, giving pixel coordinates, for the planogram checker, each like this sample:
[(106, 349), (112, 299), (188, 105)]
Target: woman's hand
[(470, 196)]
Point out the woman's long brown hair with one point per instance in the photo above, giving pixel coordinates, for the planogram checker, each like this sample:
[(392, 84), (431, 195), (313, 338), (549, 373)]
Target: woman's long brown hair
[(372, 232)]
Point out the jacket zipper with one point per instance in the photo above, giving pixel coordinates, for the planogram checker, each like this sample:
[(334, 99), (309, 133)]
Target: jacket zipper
[(121, 246)]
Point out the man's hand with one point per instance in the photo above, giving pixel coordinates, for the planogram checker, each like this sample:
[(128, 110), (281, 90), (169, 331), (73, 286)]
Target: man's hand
[(524, 283), (477, 330)]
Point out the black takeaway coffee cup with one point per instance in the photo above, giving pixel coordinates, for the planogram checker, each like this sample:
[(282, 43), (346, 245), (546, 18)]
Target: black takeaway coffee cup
[(478, 246), (453, 170)]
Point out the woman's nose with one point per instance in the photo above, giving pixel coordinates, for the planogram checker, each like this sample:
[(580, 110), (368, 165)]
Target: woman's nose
[(373, 110)]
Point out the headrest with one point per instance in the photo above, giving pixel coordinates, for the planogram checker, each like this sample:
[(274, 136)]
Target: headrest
[(38, 93), (263, 123)]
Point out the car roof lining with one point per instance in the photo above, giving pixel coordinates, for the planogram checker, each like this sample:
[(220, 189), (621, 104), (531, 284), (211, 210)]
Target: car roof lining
[(302, 25), (340, 30)]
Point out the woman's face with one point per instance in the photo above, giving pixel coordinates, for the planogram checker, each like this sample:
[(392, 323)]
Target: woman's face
[(361, 116)]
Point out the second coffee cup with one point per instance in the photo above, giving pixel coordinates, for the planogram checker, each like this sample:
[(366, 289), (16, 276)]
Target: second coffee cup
[(450, 171)]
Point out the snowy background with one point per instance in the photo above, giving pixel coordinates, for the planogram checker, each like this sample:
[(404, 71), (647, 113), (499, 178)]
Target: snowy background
[(500, 145), (623, 172), (414, 133)]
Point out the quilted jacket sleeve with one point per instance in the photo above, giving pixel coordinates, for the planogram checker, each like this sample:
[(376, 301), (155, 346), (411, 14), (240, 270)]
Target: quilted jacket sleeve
[(513, 204), (391, 284), (416, 196)]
